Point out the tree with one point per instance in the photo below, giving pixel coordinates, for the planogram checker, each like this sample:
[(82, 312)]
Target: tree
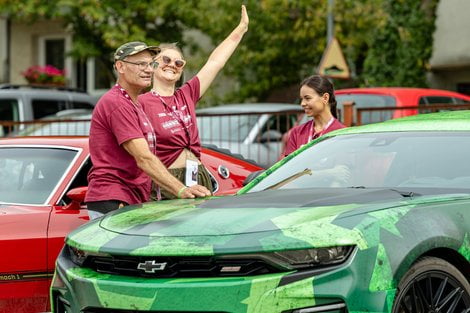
[(385, 42), (401, 48), (285, 40), (100, 26)]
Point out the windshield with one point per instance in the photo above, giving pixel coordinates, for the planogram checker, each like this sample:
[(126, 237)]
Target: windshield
[(225, 128), (378, 160), (29, 175)]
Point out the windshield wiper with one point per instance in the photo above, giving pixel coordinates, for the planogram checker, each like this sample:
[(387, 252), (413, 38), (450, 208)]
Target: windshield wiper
[(405, 194), (287, 180)]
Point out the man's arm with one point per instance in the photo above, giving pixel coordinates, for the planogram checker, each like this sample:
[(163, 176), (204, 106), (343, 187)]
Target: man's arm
[(153, 167)]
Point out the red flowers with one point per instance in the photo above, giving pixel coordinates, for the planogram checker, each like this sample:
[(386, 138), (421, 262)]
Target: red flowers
[(44, 75)]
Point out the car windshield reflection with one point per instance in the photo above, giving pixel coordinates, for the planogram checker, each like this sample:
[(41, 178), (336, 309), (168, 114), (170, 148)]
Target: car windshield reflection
[(378, 160), (29, 175)]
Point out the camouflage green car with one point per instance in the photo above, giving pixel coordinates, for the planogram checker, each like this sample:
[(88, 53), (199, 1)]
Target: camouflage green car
[(367, 219)]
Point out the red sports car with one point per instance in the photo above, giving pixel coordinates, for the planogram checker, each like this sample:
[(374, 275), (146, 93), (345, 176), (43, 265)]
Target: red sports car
[(395, 97), (42, 187)]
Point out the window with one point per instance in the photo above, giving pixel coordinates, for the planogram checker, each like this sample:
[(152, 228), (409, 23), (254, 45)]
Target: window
[(8, 112), (99, 75), (463, 88), (43, 108), (81, 105), (368, 101), (277, 124), (55, 52), (436, 100), (29, 175)]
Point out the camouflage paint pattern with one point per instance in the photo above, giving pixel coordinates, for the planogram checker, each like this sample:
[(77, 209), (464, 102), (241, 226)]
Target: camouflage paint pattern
[(389, 236)]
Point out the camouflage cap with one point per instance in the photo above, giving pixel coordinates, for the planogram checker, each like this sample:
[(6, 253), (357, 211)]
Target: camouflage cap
[(132, 48)]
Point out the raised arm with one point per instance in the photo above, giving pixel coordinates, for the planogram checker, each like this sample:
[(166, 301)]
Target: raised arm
[(222, 53)]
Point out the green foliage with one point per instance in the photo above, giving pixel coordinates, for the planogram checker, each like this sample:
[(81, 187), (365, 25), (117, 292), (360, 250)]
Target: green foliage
[(386, 42), (400, 50)]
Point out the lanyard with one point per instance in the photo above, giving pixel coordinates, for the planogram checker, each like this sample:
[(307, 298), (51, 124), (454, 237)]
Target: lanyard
[(312, 133), (176, 114), (151, 138)]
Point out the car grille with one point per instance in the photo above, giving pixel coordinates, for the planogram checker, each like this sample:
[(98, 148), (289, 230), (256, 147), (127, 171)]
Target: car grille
[(178, 267), (98, 310)]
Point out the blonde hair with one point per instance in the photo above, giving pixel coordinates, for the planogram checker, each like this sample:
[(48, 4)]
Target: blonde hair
[(170, 46)]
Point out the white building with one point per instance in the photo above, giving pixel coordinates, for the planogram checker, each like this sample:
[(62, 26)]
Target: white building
[(450, 61)]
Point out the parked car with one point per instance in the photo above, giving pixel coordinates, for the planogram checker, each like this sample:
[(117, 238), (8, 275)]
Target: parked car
[(395, 97), (252, 129), (364, 219), (24, 103), (73, 122), (42, 185)]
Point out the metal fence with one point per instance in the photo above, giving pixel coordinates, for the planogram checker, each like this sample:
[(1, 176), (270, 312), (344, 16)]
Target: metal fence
[(50, 127), (257, 136)]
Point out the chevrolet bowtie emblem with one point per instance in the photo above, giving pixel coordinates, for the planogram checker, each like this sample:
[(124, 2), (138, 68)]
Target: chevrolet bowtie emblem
[(151, 266)]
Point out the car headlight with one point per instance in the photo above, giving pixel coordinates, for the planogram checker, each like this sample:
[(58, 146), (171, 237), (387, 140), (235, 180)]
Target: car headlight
[(308, 258), (79, 256)]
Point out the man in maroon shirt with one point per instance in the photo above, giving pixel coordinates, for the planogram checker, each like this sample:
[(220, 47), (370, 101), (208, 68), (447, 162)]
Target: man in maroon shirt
[(122, 140)]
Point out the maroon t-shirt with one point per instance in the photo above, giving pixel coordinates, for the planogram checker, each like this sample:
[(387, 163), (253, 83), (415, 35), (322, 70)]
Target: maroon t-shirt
[(299, 135), (174, 121), (115, 174)]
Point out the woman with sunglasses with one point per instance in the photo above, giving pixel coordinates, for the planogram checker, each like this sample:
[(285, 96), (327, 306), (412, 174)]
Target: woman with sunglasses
[(172, 111)]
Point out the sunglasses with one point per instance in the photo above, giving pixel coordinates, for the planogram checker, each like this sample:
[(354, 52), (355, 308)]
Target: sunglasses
[(143, 65), (167, 61)]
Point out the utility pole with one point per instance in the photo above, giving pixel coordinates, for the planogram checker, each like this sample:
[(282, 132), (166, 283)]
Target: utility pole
[(330, 22)]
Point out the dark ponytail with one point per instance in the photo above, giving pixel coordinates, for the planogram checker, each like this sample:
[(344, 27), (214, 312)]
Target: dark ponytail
[(322, 85)]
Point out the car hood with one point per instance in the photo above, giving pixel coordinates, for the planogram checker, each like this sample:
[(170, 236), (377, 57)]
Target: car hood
[(264, 221)]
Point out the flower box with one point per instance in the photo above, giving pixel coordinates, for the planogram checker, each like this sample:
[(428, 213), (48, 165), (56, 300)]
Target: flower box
[(44, 75)]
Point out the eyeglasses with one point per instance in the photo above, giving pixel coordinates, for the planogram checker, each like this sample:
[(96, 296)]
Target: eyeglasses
[(143, 65), (167, 61)]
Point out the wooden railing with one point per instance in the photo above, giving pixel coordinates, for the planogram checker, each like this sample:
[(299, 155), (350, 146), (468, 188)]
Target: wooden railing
[(353, 116)]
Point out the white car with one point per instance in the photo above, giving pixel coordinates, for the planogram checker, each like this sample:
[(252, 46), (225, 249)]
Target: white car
[(254, 130)]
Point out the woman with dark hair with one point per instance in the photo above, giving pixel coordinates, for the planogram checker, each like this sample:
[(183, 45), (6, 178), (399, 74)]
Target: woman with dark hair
[(317, 98), (171, 110)]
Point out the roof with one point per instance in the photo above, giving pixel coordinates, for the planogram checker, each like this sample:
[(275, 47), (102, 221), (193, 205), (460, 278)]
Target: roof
[(397, 91), (441, 121), (250, 108), (30, 88), (81, 142)]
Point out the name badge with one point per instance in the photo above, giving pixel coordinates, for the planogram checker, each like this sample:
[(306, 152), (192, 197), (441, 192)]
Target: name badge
[(191, 172)]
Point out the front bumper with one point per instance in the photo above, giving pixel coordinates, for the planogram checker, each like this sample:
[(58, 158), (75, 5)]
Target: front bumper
[(337, 290)]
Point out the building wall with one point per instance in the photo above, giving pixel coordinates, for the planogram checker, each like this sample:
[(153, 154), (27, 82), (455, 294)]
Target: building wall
[(24, 47), (450, 61), (3, 51)]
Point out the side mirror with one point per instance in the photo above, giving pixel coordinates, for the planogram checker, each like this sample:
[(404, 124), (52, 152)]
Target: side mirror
[(252, 176), (271, 136), (78, 198)]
